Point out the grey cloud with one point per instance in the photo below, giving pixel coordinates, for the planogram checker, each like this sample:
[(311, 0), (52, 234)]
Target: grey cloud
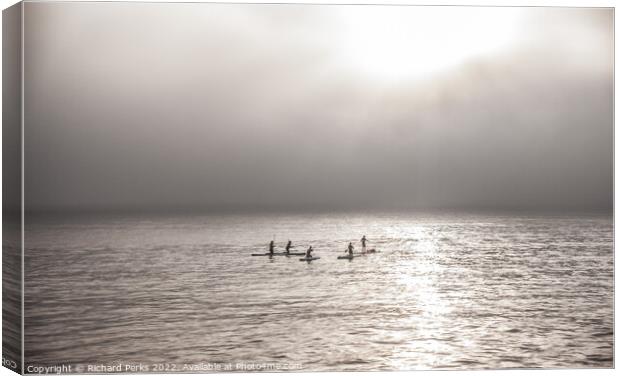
[(244, 106)]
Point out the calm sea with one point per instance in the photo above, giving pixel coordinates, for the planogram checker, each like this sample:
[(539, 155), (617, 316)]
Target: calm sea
[(443, 292)]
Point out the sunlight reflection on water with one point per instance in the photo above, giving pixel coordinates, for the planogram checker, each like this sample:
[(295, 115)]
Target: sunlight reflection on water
[(444, 292)]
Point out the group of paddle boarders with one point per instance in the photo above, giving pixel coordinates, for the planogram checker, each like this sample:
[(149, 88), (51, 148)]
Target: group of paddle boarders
[(289, 246), (350, 247)]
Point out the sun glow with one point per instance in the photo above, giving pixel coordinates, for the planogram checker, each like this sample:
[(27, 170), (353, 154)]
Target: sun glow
[(395, 43)]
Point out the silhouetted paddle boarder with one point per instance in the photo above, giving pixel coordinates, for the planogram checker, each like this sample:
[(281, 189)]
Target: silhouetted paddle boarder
[(288, 247)]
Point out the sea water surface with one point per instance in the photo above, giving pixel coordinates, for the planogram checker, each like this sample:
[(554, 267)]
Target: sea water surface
[(445, 291)]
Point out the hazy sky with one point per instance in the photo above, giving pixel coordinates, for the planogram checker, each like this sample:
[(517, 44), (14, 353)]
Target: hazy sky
[(146, 105)]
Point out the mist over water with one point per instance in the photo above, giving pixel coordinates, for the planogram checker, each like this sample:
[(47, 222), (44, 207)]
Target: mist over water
[(453, 291), (168, 106)]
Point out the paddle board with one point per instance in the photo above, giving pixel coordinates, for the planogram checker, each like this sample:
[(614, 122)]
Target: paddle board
[(309, 258), (279, 254), (348, 257)]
